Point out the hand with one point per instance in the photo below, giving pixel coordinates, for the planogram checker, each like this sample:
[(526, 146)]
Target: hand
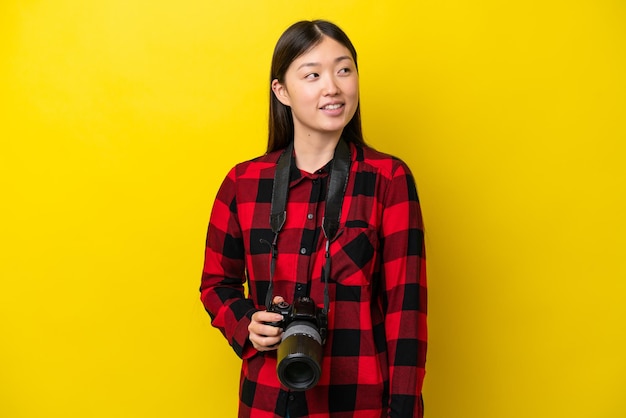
[(265, 337)]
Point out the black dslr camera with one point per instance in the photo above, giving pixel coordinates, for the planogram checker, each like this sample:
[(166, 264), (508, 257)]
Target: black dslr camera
[(300, 351)]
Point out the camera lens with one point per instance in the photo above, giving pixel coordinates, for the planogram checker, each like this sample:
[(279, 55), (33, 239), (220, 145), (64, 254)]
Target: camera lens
[(299, 373), (299, 356)]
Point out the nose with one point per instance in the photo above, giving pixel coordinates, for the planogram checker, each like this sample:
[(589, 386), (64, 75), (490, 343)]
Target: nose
[(331, 87)]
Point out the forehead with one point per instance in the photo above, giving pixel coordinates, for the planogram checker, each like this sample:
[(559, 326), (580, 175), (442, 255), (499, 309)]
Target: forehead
[(328, 51)]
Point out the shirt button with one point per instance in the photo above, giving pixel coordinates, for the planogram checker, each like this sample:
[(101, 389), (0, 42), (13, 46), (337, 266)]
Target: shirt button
[(298, 286), (291, 397), (310, 216), (302, 250)]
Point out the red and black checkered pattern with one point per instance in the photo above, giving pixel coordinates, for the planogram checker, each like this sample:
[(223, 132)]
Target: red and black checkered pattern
[(374, 357)]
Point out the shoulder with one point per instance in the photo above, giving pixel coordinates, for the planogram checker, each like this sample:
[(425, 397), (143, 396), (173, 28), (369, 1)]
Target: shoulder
[(256, 168), (244, 181), (369, 159)]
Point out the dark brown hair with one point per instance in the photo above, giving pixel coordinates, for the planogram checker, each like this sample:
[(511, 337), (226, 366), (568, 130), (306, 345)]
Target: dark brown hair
[(295, 41)]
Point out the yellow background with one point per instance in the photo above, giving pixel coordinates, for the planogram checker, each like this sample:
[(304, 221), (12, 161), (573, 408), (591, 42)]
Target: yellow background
[(119, 119)]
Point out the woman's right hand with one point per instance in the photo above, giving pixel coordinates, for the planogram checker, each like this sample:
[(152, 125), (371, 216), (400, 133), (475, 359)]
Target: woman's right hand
[(262, 336)]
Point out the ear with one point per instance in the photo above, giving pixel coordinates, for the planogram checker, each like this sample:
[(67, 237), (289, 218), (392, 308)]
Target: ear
[(281, 93)]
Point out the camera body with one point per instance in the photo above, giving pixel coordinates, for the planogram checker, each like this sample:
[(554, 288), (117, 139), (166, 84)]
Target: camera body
[(300, 351)]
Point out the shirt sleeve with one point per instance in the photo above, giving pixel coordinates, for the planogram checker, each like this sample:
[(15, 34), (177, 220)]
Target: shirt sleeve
[(404, 300), (223, 276)]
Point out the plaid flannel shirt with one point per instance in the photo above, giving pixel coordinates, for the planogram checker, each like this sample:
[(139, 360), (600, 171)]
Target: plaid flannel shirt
[(375, 353)]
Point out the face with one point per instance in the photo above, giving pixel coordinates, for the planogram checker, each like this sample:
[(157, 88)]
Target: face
[(322, 88)]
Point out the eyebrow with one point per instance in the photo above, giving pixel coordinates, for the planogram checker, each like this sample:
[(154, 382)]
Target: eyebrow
[(317, 64)]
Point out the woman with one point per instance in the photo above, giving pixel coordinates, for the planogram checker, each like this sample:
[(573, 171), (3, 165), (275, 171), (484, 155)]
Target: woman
[(323, 218)]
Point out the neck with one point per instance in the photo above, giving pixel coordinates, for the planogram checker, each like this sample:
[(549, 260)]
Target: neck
[(311, 154)]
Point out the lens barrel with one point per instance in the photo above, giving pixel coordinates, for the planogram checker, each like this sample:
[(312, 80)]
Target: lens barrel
[(299, 356)]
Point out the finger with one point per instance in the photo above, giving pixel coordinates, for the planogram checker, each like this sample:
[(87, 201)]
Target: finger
[(264, 343), (264, 316), (264, 330)]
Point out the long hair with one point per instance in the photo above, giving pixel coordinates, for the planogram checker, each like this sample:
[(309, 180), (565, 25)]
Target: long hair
[(295, 41)]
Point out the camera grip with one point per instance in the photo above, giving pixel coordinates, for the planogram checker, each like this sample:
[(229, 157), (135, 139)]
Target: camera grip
[(282, 308)]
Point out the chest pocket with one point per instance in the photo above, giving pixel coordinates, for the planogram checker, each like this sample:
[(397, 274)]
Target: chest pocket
[(355, 256)]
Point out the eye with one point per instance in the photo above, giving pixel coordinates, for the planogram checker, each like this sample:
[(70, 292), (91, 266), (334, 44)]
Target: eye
[(311, 76), (345, 71)]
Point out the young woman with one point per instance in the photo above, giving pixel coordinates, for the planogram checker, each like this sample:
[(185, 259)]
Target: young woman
[(324, 220)]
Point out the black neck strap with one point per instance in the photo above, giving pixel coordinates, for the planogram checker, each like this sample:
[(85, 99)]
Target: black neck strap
[(337, 182)]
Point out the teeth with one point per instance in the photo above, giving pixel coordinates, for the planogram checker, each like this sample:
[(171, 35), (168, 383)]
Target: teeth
[(332, 107)]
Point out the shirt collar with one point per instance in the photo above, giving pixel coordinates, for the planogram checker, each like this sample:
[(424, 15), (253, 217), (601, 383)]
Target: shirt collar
[(296, 175)]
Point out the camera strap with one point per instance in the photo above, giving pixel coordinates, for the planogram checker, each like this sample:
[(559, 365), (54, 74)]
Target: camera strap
[(337, 182)]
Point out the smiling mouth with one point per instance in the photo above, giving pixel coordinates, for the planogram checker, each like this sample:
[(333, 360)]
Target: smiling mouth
[(332, 106)]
